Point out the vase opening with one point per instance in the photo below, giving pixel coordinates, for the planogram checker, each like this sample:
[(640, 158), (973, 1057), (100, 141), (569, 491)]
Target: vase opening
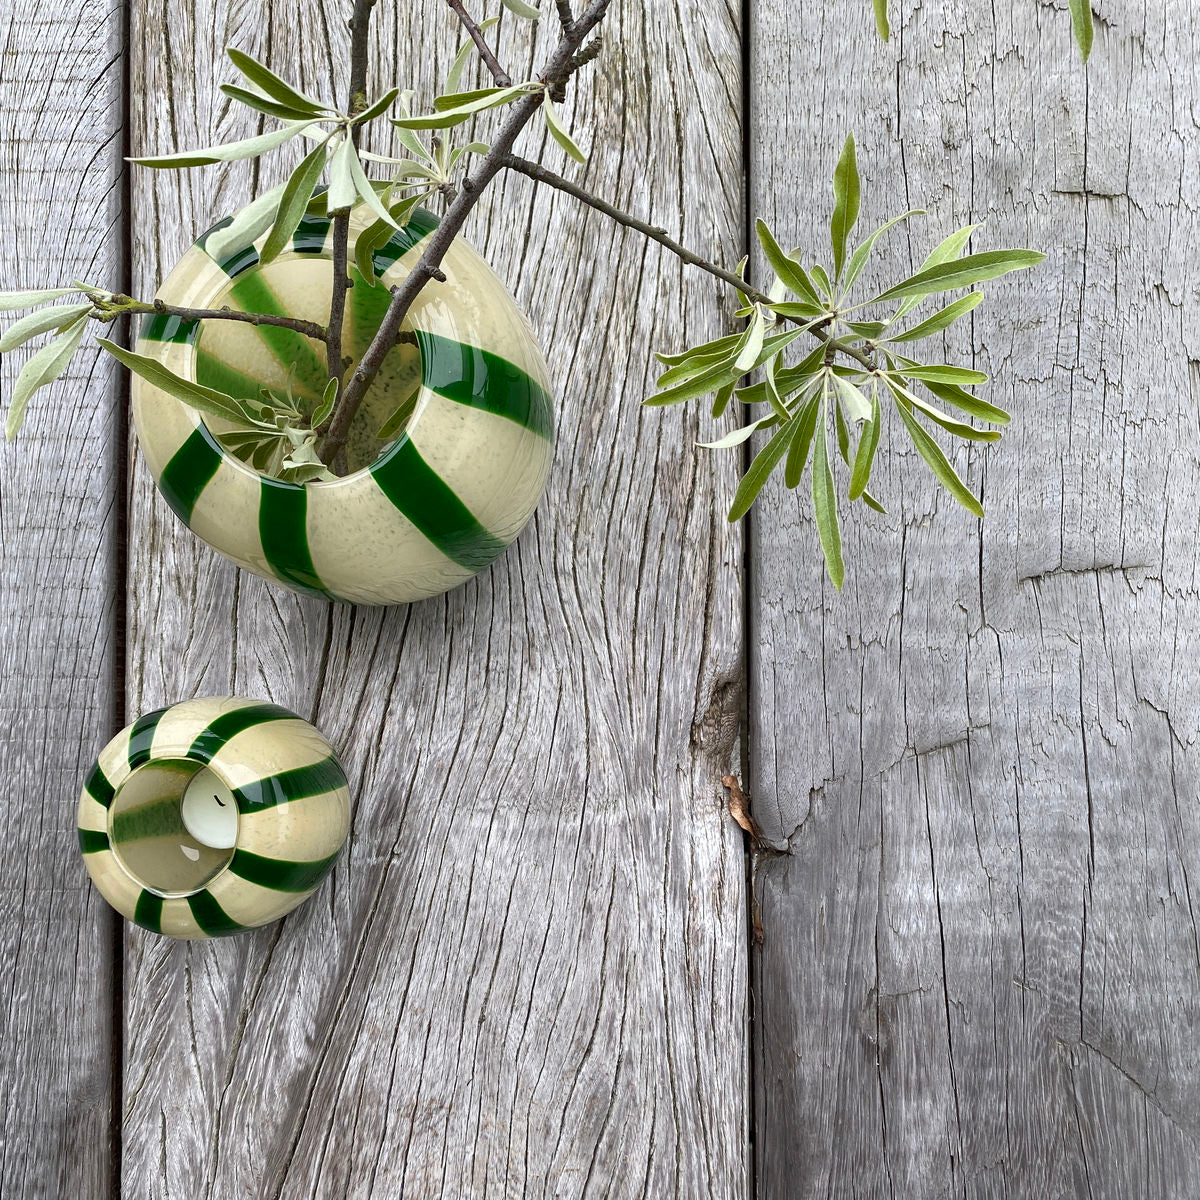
[(242, 359), (170, 837)]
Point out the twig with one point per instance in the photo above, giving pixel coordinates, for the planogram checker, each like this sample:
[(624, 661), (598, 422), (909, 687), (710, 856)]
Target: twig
[(438, 243), (360, 29), (118, 305), (565, 16), (499, 74), (540, 174)]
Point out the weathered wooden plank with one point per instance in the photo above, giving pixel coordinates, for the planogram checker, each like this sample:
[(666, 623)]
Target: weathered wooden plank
[(527, 975), (980, 968), (61, 213)]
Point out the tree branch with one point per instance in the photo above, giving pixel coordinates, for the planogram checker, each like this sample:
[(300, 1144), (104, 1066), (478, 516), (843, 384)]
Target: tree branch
[(540, 174), (118, 305), (499, 74), (520, 112), (356, 101)]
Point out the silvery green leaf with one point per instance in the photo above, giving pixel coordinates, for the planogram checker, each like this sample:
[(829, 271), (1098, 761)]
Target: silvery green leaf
[(773, 394), (722, 398), (267, 81), (950, 247), (738, 436), (1083, 24), (41, 321), (821, 280), (558, 131), (324, 410), (394, 425), (457, 107), (303, 464), (194, 395), (940, 320), (727, 342), (948, 423), (868, 442), (367, 190), (759, 471), (949, 393), (962, 272), (377, 109), (720, 375), (12, 301), (521, 9), (845, 203), (944, 251), (881, 19), (297, 193), (752, 347), (800, 312), (931, 452), (231, 151), (342, 193), (867, 329), (862, 253), (469, 148), (264, 104), (825, 505), (412, 143), (858, 406), (789, 271), (689, 368), (945, 374), (793, 469), (42, 369), (246, 226), (843, 431), (454, 75), (479, 99)]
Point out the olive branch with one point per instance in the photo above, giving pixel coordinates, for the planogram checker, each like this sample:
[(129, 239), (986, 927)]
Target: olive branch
[(857, 369)]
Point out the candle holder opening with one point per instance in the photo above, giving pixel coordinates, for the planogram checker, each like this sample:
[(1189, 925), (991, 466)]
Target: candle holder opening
[(241, 359), (150, 838)]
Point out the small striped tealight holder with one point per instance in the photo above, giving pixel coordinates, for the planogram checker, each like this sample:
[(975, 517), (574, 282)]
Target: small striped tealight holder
[(213, 816)]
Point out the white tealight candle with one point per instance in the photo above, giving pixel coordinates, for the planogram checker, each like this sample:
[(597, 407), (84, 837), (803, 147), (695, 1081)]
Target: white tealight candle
[(209, 811)]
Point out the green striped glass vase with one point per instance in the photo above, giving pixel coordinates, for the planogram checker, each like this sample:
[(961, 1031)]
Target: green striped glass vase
[(416, 515), (213, 816)]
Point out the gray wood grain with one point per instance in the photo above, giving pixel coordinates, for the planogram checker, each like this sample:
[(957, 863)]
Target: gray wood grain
[(527, 975), (980, 973), (59, 597)]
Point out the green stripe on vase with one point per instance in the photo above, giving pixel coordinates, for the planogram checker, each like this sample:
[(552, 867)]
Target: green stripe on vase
[(279, 874), (480, 379), (291, 349), (92, 840), (210, 916), (214, 372), (227, 726), (99, 788), (237, 262), (283, 530), (141, 736), (460, 372), (412, 485), (164, 327), (148, 911), (189, 472), (297, 784), (310, 235), (420, 225)]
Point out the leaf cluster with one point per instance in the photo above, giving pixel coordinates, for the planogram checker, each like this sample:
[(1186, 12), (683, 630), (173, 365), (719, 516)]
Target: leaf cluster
[(859, 368)]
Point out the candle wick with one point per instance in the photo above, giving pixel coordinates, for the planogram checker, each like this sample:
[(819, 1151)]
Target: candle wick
[(219, 800)]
